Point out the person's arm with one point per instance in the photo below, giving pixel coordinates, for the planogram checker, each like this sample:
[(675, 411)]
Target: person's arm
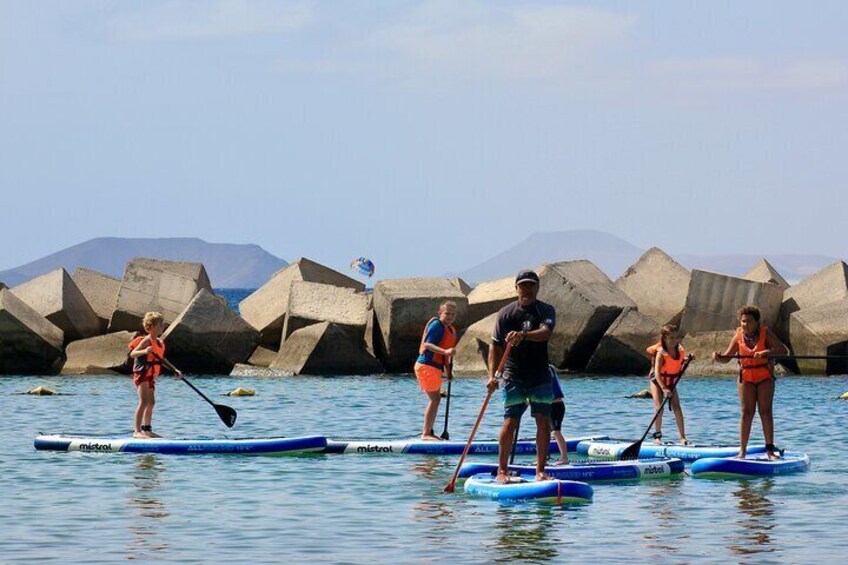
[(732, 349), (434, 334), (143, 348), (773, 346)]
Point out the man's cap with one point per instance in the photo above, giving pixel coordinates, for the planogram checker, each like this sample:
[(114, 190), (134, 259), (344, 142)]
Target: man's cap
[(527, 276)]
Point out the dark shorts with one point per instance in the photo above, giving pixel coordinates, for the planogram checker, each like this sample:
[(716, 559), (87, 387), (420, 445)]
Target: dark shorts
[(557, 415), (516, 396)]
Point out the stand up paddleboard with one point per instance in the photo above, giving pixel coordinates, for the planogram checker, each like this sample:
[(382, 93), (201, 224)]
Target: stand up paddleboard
[(751, 466), (257, 446), (589, 471), (556, 491), (417, 446), (613, 448)]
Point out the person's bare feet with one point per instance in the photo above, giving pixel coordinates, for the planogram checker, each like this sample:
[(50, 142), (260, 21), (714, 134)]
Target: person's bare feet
[(543, 477), (151, 435), (563, 461), (741, 455), (502, 478), (139, 435), (428, 437)]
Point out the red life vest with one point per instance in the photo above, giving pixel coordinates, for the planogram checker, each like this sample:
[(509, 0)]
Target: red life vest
[(670, 368), (448, 340), (149, 365), (753, 370)]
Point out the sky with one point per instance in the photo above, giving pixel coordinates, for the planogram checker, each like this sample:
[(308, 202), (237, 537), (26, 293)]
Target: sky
[(426, 135)]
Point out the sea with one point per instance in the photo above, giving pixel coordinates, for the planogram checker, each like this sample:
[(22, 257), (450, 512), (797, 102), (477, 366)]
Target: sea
[(377, 508)]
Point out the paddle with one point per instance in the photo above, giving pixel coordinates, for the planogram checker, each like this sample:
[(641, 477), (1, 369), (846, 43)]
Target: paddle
[(227, 414), (514, 442), (449, 372), (632, 451), (450, 486)]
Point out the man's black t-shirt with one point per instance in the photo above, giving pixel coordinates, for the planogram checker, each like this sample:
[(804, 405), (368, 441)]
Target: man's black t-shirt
[(528, 361)]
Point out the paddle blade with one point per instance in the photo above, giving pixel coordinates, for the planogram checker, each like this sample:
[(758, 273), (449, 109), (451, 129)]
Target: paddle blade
[(445, 435), (227, 414), (632, 451)]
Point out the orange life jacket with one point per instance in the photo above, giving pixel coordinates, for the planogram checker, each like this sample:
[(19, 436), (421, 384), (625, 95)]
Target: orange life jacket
[(149, 365), (670, 368), (753, 370), (448, 340)]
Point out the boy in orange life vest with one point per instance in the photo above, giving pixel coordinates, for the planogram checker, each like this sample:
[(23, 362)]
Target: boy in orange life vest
[(435, 351), (147, 353), (754, 342), (668, 361)]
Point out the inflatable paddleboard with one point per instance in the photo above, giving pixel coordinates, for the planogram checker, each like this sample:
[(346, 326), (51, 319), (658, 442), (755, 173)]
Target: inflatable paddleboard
[(106, 444), (613, 448), (417, 446), (589, 471), (751, 466), (560, 492)]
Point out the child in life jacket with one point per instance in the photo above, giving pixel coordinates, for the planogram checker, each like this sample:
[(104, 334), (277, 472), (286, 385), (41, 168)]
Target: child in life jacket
[(668, 359), (436, 349), (148, 354)]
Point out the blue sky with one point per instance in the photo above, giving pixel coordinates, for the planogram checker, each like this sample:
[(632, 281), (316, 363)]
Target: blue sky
[(427, 135)]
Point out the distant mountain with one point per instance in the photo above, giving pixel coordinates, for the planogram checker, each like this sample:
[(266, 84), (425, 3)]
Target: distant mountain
[(613, 255), (610, 253), (228, 265)]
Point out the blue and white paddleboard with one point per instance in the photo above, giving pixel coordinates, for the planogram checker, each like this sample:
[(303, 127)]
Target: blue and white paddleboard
[(613, 448), (751, 466), (257, 446), (560, 492), (417, 446), (589, 471)]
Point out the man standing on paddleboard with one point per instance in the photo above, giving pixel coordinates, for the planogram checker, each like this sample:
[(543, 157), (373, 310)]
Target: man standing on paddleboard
[(528, 324)]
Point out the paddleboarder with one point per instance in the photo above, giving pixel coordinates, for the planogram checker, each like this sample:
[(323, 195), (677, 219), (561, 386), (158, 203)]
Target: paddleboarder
[(148, 354), (527, 324), (754, 343), (669, 356), (434, 353)]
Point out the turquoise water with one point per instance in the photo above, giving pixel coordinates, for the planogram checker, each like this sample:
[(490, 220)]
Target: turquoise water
[(98, 508)]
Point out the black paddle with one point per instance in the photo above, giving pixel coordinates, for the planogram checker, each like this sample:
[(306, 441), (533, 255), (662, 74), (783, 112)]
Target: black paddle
[(514, 442), (227, 414), (632, 451), (449, 372)]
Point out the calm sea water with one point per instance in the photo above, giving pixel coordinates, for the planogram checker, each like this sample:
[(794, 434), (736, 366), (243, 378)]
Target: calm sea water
[(98, 508)]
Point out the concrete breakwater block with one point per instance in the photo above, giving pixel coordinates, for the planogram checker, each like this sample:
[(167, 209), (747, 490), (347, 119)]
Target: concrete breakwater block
[(156, 285), (262, 357), (402, 308), (310, 303), (29, 343), (108, 352), (265, 309), (325, 349), (56, 296), (463, 286), (827, 285), (714, 299), (658, 285), (489, 297), (821, 330), (472, 351), (208, 337), (101, 292), (587, 303), (622, 348), (764, 272)]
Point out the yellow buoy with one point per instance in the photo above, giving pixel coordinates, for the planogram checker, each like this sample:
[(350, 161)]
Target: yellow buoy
[(242, 392), (843, 396), (641, 394), (41, 391)]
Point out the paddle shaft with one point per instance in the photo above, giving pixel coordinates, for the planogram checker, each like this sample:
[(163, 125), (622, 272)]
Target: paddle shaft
[(825, 357), (452, 484), (449, 372)]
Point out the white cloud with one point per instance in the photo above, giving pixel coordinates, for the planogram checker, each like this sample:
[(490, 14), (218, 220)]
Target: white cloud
[(516, 40), (210, 20)]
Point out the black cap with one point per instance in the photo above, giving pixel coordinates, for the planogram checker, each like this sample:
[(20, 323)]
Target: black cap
[(527, 276)]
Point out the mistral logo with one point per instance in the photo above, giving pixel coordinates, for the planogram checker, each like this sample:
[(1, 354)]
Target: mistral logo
[(375, 449), (95, 446)]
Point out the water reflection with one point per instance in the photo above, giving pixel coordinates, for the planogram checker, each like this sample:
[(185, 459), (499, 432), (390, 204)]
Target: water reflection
[(524, 533), (149, 510), (435, 511), (665, 499), (756, 518)]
